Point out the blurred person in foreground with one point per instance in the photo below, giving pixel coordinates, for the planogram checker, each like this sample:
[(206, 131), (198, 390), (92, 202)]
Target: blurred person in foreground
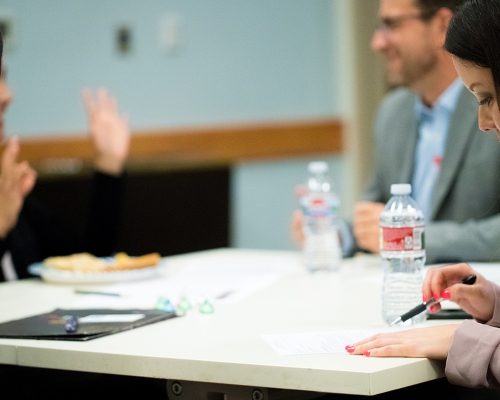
[(471, 349), (29, 231), (426, 134)]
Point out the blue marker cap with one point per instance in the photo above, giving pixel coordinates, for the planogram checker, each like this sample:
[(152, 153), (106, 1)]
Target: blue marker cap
[(164, 305), (71, 323)]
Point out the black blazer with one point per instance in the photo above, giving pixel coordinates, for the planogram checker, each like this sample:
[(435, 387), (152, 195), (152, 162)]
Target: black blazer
[(40, 233)]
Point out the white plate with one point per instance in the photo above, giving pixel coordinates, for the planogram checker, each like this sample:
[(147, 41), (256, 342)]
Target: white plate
[(58, 276)]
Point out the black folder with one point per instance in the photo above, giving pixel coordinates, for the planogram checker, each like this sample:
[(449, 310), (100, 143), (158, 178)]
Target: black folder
[(451, 313), (92, 323)]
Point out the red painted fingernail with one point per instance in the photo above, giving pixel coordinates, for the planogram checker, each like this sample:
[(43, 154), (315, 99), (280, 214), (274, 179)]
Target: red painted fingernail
[(432, 309), (349, 349), (367, 353), (445, 294), (435, 295), (424, 297)]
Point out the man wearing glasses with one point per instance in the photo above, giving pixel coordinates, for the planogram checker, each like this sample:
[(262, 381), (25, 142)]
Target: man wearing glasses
[(427, 135)]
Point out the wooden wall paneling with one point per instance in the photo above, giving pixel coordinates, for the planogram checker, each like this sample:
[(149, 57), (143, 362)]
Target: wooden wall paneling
[(171, 148)]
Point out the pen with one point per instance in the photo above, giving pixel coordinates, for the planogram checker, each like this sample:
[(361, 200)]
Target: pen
[(78, 291), (71, 323), (468, 280)]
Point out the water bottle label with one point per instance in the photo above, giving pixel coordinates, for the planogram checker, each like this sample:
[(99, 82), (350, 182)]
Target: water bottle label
[(319, 205), (401, 239)]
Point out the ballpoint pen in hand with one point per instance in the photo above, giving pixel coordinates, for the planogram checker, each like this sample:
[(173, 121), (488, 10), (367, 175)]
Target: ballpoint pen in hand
[(468, 280)]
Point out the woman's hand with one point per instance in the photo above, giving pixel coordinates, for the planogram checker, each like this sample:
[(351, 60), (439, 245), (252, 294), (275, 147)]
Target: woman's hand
[(445, 282), (16, 181), (109, 131), (433, 342)]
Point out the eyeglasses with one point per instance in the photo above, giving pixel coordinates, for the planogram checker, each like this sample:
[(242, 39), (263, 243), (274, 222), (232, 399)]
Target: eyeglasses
[(390, 24)]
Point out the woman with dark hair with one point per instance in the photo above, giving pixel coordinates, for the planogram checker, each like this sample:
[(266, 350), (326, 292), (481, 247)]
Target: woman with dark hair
[(471, 349), (473, 36), (29, 231)]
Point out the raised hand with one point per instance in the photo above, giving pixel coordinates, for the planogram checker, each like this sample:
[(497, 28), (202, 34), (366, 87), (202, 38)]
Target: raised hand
[(109, 131), (16, 181), (477, 299), (366, 225)]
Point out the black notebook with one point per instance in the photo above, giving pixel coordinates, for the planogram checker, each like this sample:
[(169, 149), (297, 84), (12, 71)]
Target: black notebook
[(91, 323)]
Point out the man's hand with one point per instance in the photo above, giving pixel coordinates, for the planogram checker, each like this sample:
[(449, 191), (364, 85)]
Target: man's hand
[(297, 231), (297, 218), (366, 225), (109, 131), (16, 181)]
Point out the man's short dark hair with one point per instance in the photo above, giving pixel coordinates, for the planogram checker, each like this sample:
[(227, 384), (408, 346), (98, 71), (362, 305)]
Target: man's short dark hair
[(429, 8)]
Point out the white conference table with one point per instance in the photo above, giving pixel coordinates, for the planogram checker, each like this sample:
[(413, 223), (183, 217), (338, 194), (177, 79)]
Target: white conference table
[(227, 347)]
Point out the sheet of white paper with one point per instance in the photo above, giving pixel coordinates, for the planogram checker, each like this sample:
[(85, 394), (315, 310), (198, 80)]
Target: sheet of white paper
[(490, 271), (219, 280), (106, 318), (319, 342)]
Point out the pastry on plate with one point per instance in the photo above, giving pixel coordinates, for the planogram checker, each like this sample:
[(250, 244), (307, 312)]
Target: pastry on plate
[(86, 262)]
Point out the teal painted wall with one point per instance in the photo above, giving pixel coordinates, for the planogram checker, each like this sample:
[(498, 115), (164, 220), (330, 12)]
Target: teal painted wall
[(239, 60), (263, 195)]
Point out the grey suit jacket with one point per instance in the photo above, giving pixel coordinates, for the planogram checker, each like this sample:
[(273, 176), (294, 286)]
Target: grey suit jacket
[(465, 206)]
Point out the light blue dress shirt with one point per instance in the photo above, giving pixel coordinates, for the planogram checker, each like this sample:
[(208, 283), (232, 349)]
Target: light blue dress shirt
[(433, 131)]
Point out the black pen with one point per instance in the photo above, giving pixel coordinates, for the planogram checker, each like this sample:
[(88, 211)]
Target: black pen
[(468, 280), (80, 291)]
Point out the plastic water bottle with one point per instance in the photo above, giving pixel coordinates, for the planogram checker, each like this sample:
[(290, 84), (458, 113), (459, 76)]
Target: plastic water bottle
[(322, 250), (402, 248)]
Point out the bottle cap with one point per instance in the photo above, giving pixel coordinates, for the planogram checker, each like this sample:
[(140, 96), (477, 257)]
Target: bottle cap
[(184, 304), (206, 307), (317, 167), (400, 188)]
